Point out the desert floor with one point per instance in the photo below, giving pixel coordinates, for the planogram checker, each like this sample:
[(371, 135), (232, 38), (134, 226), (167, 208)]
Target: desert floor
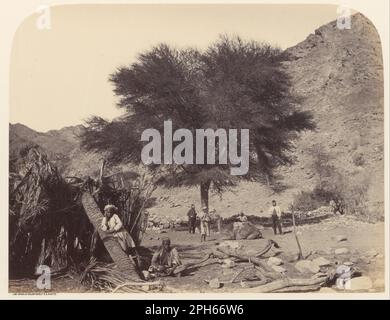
[(365, 242)]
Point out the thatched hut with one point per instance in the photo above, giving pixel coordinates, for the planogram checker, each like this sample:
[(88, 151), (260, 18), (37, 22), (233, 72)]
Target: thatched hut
[(48, 221)]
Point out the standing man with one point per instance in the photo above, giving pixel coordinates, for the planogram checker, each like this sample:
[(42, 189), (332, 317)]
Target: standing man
[(204, 225), (276, 215), (191, 219)]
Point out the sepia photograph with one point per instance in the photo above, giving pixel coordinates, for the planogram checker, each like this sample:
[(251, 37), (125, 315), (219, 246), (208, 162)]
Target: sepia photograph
[(217, 148)]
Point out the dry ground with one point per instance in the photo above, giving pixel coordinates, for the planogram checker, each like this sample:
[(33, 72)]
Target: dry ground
[(317, 239)]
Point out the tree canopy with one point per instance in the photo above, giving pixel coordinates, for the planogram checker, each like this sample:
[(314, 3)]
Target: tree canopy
[(233, 84)]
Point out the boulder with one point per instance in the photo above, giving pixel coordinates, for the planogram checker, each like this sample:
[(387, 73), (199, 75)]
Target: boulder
[(359, 283), (343, 271), (321, 262), (307, 266), (228, 263), (328, 251), (293, 258), (341, 251), (274, 261)]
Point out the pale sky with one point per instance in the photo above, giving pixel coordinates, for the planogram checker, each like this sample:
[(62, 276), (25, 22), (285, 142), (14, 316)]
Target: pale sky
[(59, 77)]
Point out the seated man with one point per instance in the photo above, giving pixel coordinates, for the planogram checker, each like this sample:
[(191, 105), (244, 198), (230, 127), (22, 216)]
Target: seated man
[(165, 260), (112, 224)]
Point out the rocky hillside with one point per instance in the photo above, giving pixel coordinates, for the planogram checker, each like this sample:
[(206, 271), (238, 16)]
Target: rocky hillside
[(58, 144), (62, 147), (339, 75)]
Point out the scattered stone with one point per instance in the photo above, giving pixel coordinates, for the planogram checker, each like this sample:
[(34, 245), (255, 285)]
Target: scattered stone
[(214, 283), (228, 264), (341, 251), (321, 262), (307, 266), (380, 256), (348, 263), (358, 283), (274, 261), (343, 271), (279, 269), (341, 238)]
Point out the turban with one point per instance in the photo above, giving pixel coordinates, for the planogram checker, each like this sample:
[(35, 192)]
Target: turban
[(110, 208)]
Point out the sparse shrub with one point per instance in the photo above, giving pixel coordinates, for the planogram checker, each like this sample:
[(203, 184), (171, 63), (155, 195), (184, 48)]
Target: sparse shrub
[(347, 190), (355, 194), (306, 201)]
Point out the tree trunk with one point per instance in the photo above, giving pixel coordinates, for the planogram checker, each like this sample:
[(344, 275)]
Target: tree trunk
[(204, 194), (121, 259), (243, 257), (295, 285)]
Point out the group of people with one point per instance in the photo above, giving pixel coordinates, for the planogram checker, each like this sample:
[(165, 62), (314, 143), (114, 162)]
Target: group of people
[(166, 259), (274, 211), (204, 219)]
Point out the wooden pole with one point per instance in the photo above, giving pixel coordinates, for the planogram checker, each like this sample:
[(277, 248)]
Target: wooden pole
[(124, 263)]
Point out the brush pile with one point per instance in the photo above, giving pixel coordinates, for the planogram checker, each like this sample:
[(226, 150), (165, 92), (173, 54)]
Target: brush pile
[(106, 277)]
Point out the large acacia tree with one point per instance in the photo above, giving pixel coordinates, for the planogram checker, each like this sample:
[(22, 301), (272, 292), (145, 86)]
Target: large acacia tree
[(233, 84)]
